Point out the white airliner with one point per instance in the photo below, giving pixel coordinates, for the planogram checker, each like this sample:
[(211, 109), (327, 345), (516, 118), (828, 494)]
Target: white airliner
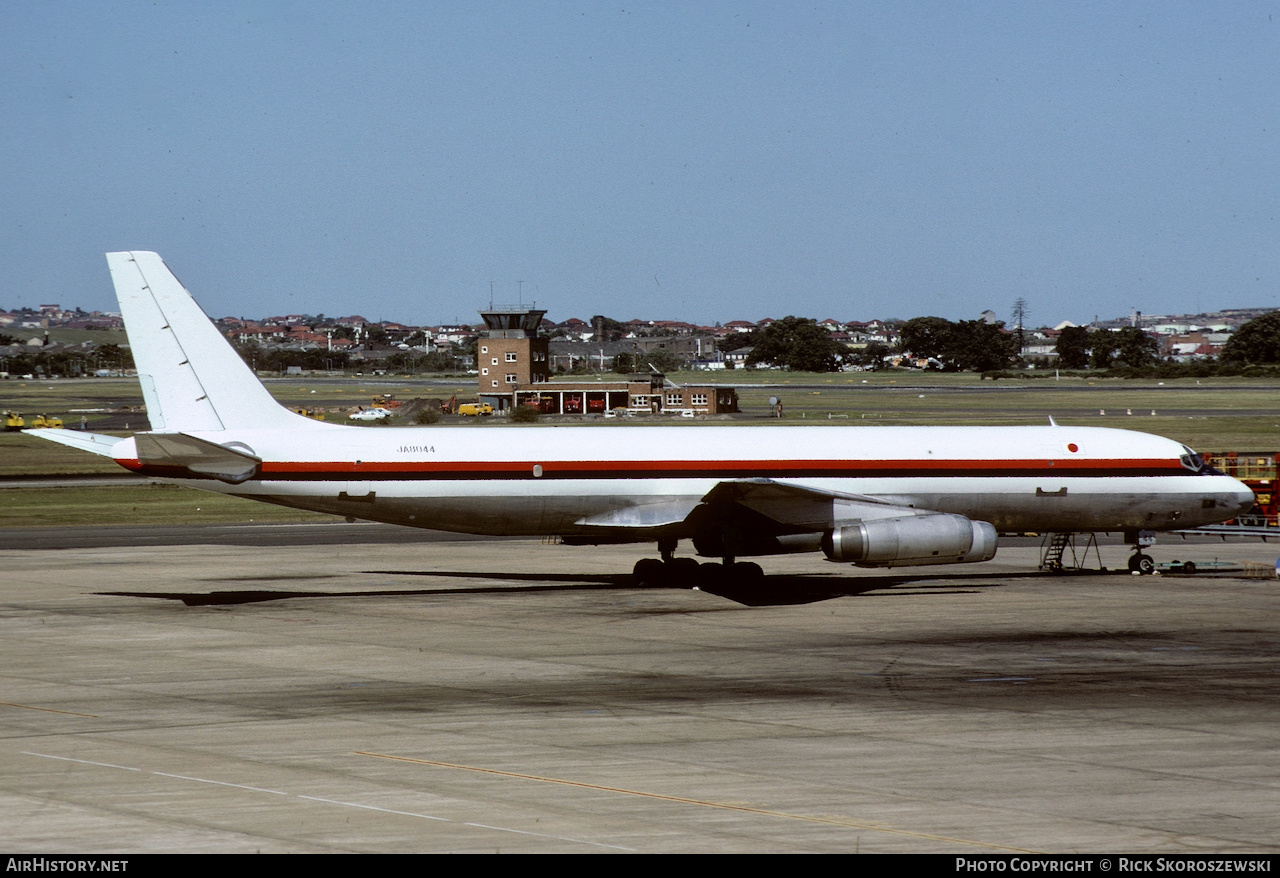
[(872, 496)]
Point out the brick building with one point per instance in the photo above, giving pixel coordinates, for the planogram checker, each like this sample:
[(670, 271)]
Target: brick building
[(515, 369)]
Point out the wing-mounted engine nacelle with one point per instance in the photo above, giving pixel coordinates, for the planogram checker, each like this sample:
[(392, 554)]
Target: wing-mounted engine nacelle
[(940, 538)]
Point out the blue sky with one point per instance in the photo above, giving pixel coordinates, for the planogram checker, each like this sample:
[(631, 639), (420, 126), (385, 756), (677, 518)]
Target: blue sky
[(700, 161)]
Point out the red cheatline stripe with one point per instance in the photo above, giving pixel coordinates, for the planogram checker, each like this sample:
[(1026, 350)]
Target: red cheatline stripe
[(303, 471), (642, 466)]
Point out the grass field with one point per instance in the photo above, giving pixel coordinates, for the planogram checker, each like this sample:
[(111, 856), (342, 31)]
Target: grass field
[(1207, 414), (1239, 416), (61, 335)]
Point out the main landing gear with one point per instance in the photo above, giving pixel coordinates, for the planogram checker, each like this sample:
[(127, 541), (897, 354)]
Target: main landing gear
[(673, 572)]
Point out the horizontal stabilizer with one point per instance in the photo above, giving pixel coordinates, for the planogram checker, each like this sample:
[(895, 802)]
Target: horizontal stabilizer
[(197, 456), (95, 443)]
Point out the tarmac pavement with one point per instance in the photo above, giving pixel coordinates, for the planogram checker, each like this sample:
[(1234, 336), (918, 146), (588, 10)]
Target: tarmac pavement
[(451, 696)]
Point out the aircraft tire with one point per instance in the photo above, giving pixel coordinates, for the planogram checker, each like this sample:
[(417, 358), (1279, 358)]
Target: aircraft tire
[(711, 573), (746, 573), (649, 573), (683, 572), (1143, 564)]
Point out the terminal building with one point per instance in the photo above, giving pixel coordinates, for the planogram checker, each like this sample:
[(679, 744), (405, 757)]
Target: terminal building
[(515, 369)]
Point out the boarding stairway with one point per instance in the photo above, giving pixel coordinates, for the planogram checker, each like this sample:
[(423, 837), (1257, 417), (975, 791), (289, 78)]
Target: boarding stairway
[(1068, 551)]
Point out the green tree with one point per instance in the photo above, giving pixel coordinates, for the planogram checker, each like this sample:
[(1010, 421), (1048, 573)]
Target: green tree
[(1136, 348), (1102, 349), (114, 356), (1073, 347), (411, 361), (1020, 322), (798, 344), (1256, 342), (736, 340), (978, 346), (659, 359), (968, 345), (1129, 346), (925, 336)]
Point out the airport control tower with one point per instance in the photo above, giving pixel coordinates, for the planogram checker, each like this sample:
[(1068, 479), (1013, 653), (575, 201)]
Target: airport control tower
[(511, 355)]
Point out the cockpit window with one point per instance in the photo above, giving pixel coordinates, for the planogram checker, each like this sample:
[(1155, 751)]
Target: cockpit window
[(1194, 462)]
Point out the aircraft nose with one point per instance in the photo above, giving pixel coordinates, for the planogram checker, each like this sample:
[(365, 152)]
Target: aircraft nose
[(1243, 497)]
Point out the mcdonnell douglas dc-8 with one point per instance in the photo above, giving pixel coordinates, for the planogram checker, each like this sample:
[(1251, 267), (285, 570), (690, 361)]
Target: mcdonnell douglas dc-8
[(870, 496)]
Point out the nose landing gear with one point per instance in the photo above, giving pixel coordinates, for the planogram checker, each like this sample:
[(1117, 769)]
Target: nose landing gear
[(1141, 562)]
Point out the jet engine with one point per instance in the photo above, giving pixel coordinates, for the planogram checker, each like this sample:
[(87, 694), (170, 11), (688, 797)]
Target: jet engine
[(939, 538)]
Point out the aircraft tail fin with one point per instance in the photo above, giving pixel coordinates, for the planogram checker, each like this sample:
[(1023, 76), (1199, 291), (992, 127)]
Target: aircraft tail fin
[(192, 379)]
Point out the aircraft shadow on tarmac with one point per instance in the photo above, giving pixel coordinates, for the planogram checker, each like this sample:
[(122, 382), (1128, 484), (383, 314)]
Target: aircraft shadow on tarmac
[(777, 590)]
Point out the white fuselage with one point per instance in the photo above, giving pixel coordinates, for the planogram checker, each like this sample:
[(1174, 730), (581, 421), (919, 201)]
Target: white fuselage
[(508, 480)]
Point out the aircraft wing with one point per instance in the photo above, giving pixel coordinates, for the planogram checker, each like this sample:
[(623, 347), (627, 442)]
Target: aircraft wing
[(797, 508), (792, 508), (643, 515)]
